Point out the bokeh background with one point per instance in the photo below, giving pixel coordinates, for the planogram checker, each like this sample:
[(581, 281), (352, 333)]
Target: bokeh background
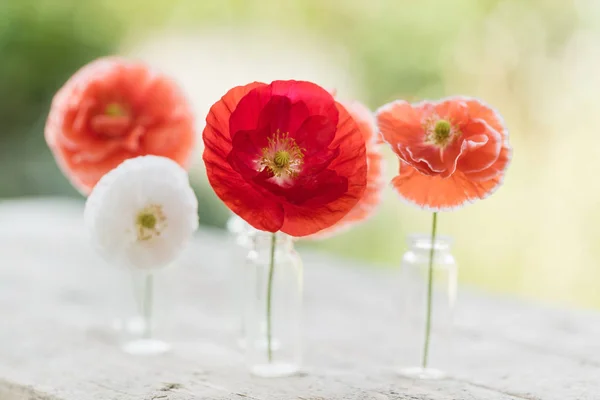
[(538, 61)]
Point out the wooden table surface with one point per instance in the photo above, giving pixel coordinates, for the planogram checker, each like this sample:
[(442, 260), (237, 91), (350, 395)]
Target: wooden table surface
[(57, 298)]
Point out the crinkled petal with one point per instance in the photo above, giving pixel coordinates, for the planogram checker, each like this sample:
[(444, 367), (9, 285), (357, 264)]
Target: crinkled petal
[(482, 149), (454, 110), (494, 171), (428, 154), (245, 199), (89, 170), (401, 124), (351, 163), (422, 166), (243, 114), (477, 109), (440, 194), (368, 204), (316, 99), (315, 133)]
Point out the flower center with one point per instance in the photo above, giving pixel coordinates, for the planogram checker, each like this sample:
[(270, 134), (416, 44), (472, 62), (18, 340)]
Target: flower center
[(440, 132), (150, 222), (283, 157), (147, 220), (115, 110)]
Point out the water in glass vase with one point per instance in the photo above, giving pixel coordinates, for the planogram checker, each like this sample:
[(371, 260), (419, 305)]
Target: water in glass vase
[(273, 306), (426, 308)]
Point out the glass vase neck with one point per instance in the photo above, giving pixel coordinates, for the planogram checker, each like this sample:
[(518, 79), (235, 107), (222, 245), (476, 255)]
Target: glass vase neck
[(265, 239), (423, 242)]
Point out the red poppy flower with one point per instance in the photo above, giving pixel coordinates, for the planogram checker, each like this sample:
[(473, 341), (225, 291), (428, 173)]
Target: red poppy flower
[(368, 203), (451, 152), (112, 110), (285, 156)]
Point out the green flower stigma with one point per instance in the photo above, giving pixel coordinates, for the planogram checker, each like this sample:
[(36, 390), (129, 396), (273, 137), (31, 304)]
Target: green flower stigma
[(442, 131), (114, 110), (147, 220), (150, 222), (281, 159)]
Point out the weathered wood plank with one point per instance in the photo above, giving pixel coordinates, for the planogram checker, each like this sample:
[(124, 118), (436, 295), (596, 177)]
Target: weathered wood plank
[(57, 298)]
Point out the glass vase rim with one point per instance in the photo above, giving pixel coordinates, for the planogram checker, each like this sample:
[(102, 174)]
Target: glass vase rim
[(280, 237), (422, 241)]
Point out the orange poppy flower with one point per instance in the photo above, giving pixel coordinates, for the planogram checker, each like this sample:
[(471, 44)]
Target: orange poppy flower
[(368, 203), (451, 152), (112, 110)]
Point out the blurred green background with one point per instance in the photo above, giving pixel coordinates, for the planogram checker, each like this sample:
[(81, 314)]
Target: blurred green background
[(537, 61)]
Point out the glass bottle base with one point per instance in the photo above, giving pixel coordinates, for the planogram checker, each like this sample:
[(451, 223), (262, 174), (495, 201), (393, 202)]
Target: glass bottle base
[(422, 373), (130, 326), (146, 347), (275, 370)]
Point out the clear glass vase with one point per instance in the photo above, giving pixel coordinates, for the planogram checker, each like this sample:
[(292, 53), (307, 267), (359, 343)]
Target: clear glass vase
[(242, 233), (141, 329), (427, 300), (273, 306)]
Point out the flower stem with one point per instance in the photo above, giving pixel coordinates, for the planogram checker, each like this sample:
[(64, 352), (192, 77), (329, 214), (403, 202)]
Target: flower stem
[(269, 295), (429, 292), (147, 305)]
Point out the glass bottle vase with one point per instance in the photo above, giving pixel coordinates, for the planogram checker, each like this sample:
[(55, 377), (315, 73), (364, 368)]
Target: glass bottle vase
[(273, 306), (242, 234), (426, 317), (141, 330)]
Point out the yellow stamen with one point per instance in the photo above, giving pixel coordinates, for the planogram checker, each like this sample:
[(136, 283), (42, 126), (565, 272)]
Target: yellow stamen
[(282, 156)]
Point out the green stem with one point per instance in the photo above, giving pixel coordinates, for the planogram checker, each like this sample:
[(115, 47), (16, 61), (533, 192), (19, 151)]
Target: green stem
[(147, 305), (269, 295), (429, 292)]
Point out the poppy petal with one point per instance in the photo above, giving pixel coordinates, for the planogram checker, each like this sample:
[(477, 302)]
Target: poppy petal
[(483, 150), (401, 124), (372, 196), (435, 193), (244, 112), (453, 110), (315, 133), (495, 170), (477, 109), (317, 100), (350, 164), (245, 199), (428, 154), (422, 166)]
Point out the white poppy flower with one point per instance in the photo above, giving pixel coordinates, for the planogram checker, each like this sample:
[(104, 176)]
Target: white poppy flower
[(142, 213)]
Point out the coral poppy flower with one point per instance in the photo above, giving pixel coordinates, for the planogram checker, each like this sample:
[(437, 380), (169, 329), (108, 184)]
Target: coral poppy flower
[(285, 156), (451, 152), (368, 203), (112, 110)]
